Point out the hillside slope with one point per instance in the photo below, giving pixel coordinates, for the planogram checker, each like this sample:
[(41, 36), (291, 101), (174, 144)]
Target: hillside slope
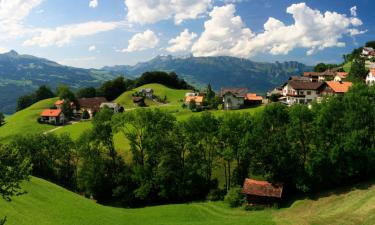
[(49, 204)]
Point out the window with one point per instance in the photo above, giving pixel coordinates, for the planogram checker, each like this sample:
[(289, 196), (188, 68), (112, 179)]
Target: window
[(301, 92), (308, 92)]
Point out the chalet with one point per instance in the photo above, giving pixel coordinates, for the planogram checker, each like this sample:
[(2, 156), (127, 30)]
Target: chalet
[(112, 105), (370, 78), (52, 116), (340, 76), (198, 100), (91, 105), (321, 76), (335, 88), (233, 98), (299, 92), (147, 92), (262, 192), (253, 99)]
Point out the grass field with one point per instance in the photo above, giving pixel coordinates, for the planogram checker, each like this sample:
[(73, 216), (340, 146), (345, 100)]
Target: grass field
[(174, 96), (24, 121), (49, 204), (347, 67)]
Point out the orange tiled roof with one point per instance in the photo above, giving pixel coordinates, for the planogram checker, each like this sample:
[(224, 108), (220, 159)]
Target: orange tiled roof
[(262, 188), (51, 112), (342, 74), (253, 97), (59, 102), (339, 87), (197, 99)]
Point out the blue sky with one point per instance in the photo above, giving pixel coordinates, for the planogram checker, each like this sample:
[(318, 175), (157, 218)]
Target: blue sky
[(94, 33)]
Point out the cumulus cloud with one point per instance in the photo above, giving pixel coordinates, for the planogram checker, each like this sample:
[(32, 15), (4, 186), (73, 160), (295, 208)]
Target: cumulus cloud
[(92, 48), (12, 14), (182, 42), (93, 4), (226, 34), (152, 11), (142, 41), (63, 35)]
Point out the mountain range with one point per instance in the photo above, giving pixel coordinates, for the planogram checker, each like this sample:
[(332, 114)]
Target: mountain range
[(20, 74)]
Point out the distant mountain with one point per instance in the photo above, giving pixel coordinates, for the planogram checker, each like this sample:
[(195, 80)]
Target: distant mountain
[(219, 71), (20, 74)]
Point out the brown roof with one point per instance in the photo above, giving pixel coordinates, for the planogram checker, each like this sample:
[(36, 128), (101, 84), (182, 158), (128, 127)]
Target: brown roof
[(262, 188), (342, 74), (253, 97), (339, 87), (51, 112), (298, 85), (92, 103), (59, 102), (239, 92)]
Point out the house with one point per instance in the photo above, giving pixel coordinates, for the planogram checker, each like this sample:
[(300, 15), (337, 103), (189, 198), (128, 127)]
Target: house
[(299, 92), (140, 101), (59, 104), (340, 76), (262, 192), (91, 105), (368, 52), (334, 88), (112, 105), (198, 100), (253, 99), (370, 78), (52, 116), (147, 92), (233, 98), (321, 76)]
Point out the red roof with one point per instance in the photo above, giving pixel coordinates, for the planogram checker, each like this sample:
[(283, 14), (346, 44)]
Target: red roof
[(253, 97), (59, 102), (342, 74), (339, 87), (51, 112), (262, 188), (197, 99)]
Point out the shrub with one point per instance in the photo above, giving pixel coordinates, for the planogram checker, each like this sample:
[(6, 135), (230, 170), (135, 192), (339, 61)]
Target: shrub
[(234, 197), (85, 115), (216, 194)]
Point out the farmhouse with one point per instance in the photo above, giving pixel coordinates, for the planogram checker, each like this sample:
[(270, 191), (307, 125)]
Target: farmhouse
[(321, 76), (261, 192), (198, 100), (301, 92), (91, 105), (370, 78), (335, 88), (253, 99), (147, 92), (233, 98), (52, 116)]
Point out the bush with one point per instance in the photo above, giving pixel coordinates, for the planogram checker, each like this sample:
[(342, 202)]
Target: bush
[(234, 197), (216, 194), (85, 115)]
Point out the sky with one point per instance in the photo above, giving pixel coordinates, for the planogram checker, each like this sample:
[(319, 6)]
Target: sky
[(97, 33)]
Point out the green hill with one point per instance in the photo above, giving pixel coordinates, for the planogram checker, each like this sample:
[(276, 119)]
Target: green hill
[(49, 204), (25, 121), (174, 96)]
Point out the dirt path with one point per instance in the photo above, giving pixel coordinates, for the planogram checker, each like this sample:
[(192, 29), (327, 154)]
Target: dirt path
[(57, 128)]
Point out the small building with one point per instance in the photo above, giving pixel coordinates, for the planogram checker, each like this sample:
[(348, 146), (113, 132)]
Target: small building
[(368, 52), (297, 92), (112, 105), (252, 99), (370, 78), (139, 100), (262, 192), (52, 116), (147, 92), (59, 104), (91, 105), (233, 98), (198, 100), (335, 88), (340, 76)]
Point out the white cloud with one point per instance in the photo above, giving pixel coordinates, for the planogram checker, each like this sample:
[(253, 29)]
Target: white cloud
[(353, 11), (92, 48), (182, 42), (63, 35), (12, 15), (3, 50), (82, 62), (226, 34), (152, 11), (93, 4), (142, 41)]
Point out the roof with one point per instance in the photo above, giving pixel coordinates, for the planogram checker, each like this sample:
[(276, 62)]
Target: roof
[(59, 102), (239, 92), (339, 87), (308, 74), (298, 85), (147, 90), (92, 103), (253, 97), (299, 78), (262, 188), (197, 99), (368, 49), (51, 112), (342, 74)]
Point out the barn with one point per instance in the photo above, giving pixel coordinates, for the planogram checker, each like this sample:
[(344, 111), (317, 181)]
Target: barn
[(262, 192)]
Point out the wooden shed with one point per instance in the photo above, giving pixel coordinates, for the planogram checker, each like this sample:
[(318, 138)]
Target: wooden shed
[(262, 192)]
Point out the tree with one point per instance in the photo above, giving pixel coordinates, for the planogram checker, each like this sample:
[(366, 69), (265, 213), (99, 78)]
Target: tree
[(64, 92), (85, 115), (89, 92), (320, 67), (2, 118), (358, 70), (370, 44), (25, 101), (43, 92), (113, 88)]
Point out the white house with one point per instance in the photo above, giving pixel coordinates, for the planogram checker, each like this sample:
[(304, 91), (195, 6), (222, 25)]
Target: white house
[(52, 116), (300, 92), (368, 52), (340, 76), (370, 78), (147, 92), (233, 98)]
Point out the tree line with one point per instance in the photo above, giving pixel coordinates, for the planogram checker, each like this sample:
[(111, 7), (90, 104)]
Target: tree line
[(330, 145), (110, 89)]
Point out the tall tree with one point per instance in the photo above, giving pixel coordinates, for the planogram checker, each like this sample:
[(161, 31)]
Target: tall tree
[(43, 92)]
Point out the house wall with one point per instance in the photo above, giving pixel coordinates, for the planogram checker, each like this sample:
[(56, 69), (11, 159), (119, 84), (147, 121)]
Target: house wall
[(232, 102), (370, 79), (309, 95)]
